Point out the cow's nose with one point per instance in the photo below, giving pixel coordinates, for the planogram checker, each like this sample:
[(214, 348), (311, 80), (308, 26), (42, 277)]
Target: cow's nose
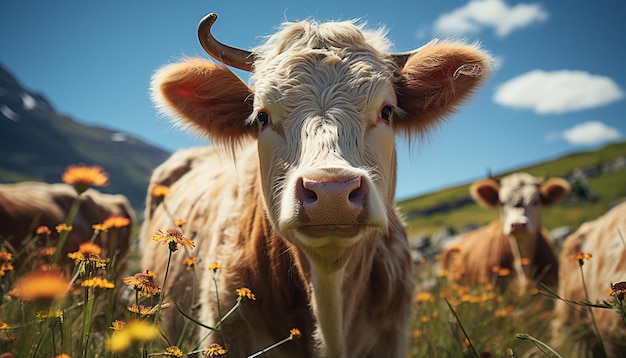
[(335, 201), (518, 227)]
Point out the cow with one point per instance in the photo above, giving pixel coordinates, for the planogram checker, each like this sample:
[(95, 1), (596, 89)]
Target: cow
[(296, 199), (25, 206), (515, 247), (603, 239)]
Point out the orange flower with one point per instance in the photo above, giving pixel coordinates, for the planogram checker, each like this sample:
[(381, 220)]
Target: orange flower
[(245, 293), (47, 251), (40, 285), (214, 350), (180, 222), (581, 257), (98, 282), (190, 262), (82, 177), (117, 325), (6, 256), (116, 221), (63, 227), (174, 351), (215, 266), (172, 238), (618, 290), (160, 191), (295, 333), (141, 309), (89, 248), (143, 282), (43, 230)]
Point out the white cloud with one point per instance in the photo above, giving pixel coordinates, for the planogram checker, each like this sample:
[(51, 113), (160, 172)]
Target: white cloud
[(587, 133), (478, 14), (558, 91)]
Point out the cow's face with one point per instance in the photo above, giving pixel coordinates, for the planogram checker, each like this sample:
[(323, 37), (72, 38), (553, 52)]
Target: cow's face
[(520, 197), (325, 107)]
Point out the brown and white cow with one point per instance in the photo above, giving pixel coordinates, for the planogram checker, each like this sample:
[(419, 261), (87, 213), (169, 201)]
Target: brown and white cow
[(516, 241), (302, 210), (27, 205), (603, 239)]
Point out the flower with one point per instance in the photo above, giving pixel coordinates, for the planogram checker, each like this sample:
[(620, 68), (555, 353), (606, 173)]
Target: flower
[(180, 222), (174, 351), (47, 251), (141, 309), (6, 265), (214, 350), (618, 290), (581, 257), (173, 237), (160, 191), (116, 221), (117, 325), (40, 285), (215, 266), (82, 177), (100, 227), (43, 230), (295, 333), (134, 331), (245, 293), (424, 297), (98, 282), (190, 262), (63, 227), (143, 282), (41, 315), (89, 248)]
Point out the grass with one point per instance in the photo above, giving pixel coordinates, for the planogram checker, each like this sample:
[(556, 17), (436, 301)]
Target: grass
[(89, 309)]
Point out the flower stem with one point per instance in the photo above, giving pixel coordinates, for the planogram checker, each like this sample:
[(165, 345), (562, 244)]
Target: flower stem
[(539, 344), (593, 317), (167, 270), (71, 215)]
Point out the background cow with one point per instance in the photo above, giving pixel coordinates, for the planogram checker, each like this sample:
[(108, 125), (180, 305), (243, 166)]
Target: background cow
[(516, 241), (302, 210), (602, 238), (28, 205)]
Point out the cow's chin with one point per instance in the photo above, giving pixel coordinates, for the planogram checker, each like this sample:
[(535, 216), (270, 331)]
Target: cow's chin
[(329, 246)]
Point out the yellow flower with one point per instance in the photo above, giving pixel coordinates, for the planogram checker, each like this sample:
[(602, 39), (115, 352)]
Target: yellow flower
[(63, 355), (116, 221), (214, 350), (173, 237), (41, 315), (245, 293), (89, 248), (160, 191), (141, 309), (215, 266), (174, 351), (180, 222), (190, 262), (295, 333), (424, 297), (581, 257), (6, 256), (4, 325), (98, 282), (63, 227), (143, 282), (40, 285), (100, 227), (82, 177), (43, 230), (117, 325), (4, 267), (134, 331)]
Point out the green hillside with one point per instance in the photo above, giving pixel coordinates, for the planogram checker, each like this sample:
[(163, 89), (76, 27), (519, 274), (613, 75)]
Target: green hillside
[(608, 186)]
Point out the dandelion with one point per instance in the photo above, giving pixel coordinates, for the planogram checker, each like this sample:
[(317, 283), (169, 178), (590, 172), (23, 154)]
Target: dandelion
[(116, 221), (134, 331), (214, 350), (581, 257), (215, 266), (190, 262), (40, 285), (118, 325), (63, 228), (245, 293), (43, 230), (174, 351), (82, 177), (98, 282), (143, 283), (173, 238), (89, 248), (159, 191)]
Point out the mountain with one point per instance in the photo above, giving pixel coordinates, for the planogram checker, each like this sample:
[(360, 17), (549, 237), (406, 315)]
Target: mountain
[(38, 143)]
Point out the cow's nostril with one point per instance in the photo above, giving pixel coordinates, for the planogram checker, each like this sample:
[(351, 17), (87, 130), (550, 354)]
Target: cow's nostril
[(357, 195), (304, 194)]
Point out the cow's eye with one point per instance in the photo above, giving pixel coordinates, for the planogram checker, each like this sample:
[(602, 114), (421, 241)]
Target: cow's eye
[(263, 118), (385, 113)]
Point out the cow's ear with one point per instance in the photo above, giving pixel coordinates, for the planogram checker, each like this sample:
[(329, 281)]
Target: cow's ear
[(485, 192), (553, 190), (436, 79), (206, 97)]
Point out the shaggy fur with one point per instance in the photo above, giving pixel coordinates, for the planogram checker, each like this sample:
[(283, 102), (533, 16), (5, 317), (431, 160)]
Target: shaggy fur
[(305, 215), (516, 235), (602, 239)]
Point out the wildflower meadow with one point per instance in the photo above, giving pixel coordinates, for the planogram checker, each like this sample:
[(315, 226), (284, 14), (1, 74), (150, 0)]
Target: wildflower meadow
[(91, 304)]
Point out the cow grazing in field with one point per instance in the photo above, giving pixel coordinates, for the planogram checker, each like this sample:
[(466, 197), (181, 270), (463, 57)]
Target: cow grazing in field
[(603, 240), (516, 242), (299, 207), (28, 205)]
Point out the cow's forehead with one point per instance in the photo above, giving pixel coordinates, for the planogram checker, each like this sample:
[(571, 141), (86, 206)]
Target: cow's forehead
[(518, 187)]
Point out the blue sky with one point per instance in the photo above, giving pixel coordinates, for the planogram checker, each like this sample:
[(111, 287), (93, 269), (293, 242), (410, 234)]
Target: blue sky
[(559, 86)]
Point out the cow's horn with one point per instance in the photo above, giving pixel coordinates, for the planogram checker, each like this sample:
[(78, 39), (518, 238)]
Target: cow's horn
[(232, 56), (402, 57)]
